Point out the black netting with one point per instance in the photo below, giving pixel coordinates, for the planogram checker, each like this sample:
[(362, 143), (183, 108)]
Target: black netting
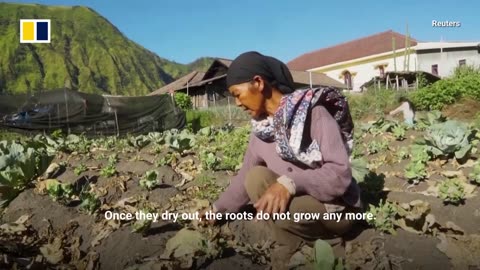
[(75, 112)]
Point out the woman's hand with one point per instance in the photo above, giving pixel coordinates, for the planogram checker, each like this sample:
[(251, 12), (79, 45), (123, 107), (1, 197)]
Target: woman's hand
[(274, 200)]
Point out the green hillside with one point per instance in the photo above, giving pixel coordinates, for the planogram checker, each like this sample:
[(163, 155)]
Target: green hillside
[(201, 64), (86, 53)]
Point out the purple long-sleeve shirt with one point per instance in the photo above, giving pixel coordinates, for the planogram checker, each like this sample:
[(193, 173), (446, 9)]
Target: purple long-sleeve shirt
[(328, 183)]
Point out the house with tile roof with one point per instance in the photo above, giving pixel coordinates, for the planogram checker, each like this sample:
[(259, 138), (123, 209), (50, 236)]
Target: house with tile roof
[(358, 61)]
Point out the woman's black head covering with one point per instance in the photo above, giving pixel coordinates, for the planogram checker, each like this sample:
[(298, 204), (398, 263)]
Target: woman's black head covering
[(249, 64)]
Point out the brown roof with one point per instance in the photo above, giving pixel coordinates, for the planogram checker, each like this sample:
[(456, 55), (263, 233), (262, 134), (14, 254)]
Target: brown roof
[(218, 67), (370, 45), (192, 78), (206, 81), (202, 82), (226, 62), (197, 78), (318, 79)]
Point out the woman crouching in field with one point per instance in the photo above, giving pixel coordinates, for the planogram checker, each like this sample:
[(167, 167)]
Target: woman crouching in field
[(407, 109), (297, 158)]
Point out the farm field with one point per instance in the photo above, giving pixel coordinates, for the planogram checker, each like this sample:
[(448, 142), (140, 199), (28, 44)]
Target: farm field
[(420, 183)]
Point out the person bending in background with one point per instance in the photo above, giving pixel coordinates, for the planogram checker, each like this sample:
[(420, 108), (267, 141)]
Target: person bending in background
[(297, 157), (407, 109)]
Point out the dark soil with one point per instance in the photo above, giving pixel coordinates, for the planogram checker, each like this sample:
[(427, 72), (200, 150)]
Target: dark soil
[(44, 211), (464, 216), (465, 109), (411, 251)]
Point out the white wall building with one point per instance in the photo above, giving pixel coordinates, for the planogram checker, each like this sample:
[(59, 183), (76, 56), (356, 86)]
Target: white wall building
[(364, 69), (357, 62), (441, 58)]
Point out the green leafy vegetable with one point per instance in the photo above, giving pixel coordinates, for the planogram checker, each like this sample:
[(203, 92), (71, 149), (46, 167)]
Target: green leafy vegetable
[(415, 171), (379, 126), (402, 153), (358, 150), (68, 144), (90, 203), (384, 216), (149, 180), (206, 131), (188, 246), (419, 153), (432, 118), (209, 160), (451, 137), (399, 132), (359, 169), (452, 191), (108, 171), (80, 169), (138, 142), (377, 146), (323, 255), (169, 159), (19, 165), (59, 191), (475, 174), (113, 158), (208, 188), (142, 225)]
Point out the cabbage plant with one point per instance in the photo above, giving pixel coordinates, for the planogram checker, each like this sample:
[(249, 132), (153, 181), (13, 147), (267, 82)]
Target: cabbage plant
[(149, 180), (179, 141), (452, 191), (451, 137), (20, 164), (431, 118), (475, 174)]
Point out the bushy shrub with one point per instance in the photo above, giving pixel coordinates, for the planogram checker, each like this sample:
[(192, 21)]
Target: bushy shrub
[(470, 86), (183, 101), (198, 119), (422, 80), (465, 71), (435, 96), (464, 83)]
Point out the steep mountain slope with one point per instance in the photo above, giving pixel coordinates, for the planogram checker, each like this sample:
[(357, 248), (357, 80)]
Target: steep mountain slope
[(86, 53)]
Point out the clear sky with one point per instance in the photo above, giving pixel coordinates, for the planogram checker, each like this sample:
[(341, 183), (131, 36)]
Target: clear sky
[(184, 30)]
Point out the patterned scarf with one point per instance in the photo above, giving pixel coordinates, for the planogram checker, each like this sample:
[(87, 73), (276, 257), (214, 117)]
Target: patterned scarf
[(287, 125)]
